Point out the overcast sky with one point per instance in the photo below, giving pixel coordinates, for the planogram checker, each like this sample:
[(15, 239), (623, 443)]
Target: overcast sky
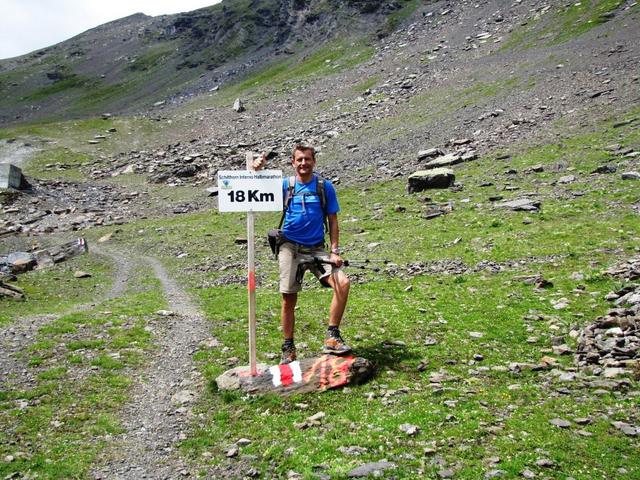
[(28, 25)]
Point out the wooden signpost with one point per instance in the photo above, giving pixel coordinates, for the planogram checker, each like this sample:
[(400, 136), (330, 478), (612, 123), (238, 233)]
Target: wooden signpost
[(250, 191)]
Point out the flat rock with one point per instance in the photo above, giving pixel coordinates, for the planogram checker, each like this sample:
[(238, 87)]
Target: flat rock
[(444, 161), (630, 176), (409, 429), (560, 423), (374, 468), (429, 153), (521, 204), (627, 429)]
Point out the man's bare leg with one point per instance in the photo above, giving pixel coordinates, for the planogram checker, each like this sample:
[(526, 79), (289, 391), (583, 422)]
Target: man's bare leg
[(340, 284), (287, 318)]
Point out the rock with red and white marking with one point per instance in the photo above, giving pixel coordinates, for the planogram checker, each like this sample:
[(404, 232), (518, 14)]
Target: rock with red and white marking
[(307, 375)]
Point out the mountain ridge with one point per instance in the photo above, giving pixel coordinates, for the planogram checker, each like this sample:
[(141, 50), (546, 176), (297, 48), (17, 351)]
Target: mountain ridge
[(128, 64)]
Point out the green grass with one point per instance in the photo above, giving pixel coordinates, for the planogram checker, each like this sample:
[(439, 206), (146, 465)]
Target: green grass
[(570, 21), (152, 58), (284, 75), (483, 410), (394, 20), (495, 412), (55, 289), (71, 83), (57, 163), (67, 420)]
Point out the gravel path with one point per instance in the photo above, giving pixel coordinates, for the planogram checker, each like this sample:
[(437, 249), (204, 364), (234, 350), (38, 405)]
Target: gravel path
[(158, 414)]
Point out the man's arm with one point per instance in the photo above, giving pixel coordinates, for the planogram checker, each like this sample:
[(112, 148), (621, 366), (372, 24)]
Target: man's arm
[(334, 238)]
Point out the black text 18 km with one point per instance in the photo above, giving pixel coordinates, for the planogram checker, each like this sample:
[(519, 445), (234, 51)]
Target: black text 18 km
[(250, 196)]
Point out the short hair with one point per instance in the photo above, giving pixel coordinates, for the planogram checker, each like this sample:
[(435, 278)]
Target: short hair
[(304, 148)]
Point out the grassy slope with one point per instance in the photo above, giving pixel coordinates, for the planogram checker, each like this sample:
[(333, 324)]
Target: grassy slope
[(491, 407)]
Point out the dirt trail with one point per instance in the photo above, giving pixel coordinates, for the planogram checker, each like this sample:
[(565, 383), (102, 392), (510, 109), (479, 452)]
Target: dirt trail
[(158, 414), (16, 337)]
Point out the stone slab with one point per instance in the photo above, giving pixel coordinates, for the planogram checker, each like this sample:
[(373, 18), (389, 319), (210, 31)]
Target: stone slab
[(10, 176)]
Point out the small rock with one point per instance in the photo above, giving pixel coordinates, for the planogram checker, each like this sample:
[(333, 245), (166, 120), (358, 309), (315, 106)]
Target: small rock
[(238, 105), (81, 274), (545, 463), (630, 176), (409, 429), (495, 474), (375, 469), (560, 423), (446, 473), (316, 419), (105, 238), (625, 428), (183, 397), (232, 452)]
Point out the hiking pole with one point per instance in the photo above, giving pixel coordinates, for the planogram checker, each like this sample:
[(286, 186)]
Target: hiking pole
[(351, 263)]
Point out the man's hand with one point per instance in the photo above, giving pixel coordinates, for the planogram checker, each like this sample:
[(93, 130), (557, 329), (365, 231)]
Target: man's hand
[(260, 162), (336, 260)]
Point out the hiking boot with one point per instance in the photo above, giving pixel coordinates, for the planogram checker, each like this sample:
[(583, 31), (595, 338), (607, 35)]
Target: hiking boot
[(334, 344), (288, 353)]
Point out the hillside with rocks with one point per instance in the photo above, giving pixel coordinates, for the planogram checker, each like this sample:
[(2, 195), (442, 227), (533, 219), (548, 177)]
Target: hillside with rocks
[(486, 155), (134, 62)]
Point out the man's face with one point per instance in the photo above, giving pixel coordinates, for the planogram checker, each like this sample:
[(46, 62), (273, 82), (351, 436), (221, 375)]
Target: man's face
[(303, 162)]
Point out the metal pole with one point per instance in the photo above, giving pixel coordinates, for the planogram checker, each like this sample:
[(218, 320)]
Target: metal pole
[(251, 266)]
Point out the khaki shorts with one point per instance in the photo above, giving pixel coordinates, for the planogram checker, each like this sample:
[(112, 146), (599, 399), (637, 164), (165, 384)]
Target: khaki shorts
[(291, 256)]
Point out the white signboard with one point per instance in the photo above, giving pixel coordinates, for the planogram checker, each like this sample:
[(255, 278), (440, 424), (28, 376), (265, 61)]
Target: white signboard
[(250, 191)]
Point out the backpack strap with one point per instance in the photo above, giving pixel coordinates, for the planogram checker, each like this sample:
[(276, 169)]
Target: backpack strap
[(321, 192), (287, 199)]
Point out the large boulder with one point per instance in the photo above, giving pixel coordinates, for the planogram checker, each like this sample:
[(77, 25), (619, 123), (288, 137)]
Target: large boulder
[(436, 178), (11, 176)]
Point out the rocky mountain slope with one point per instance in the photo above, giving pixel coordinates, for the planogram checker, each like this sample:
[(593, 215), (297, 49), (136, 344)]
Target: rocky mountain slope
[(129, 64), (468, 79)]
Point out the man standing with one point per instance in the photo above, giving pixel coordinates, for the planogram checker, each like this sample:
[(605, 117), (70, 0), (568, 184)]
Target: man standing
[(304, 248)]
